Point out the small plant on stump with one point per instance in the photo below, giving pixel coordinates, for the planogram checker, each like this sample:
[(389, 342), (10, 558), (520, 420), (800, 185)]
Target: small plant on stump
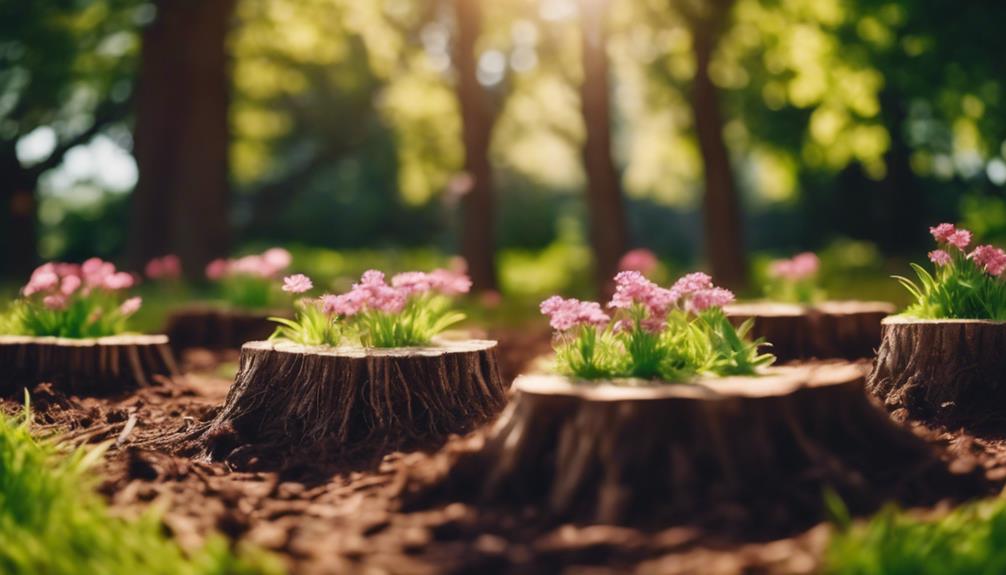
[(408, 312), (794, 280), (942, 358), (653, 332), (72, 301), (249, 282)]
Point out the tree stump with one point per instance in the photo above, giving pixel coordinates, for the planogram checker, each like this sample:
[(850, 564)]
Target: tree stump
[(949, 370), (84, 366), (829, 330), (332, 402), (748, 450), (218, 328)]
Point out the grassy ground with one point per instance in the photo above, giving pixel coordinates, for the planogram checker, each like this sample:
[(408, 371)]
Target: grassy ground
[(53, 522)]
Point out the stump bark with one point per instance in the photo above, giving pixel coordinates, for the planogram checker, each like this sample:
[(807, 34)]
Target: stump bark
[(217, 328), (749, 450), (949, 370), (84, 366), (335, 402), (829, 330)]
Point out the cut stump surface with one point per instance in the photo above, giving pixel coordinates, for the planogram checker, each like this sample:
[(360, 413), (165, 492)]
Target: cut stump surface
[(330, 402), (217, 328), (84, 366), (829, 330), (949, 370), (747, 450)]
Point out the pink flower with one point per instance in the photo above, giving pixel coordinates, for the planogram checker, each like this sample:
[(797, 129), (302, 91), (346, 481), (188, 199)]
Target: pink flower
[(942, 232), (54, 301), (692, 283), (800, 267), (990, 258), (166, 267), (631, 288), (217, 269), (130, 306), (70, 284), (413, 282), (95, 272), (297, 283), (372, 278), (277, 259), (118, 280), (44, 278), (347, 304), (450, 281), (960, 239), (458, 265), (565, 314), (641, 260), (704, 299), (939, 257)]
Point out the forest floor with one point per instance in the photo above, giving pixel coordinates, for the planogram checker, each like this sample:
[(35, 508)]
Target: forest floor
[(356, 518)]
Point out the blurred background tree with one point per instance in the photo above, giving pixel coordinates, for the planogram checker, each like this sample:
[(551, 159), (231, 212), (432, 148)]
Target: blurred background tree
[(559, 131)]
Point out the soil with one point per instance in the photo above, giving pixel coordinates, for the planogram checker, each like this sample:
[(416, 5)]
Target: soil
[(354, 517)]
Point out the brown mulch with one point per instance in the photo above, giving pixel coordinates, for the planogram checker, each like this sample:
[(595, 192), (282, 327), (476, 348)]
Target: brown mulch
[(352, 518)]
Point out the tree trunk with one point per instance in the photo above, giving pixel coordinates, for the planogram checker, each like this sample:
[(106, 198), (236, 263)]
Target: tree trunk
[(181, 137), (478, 241), (744, 451), (18, 241), (723, 230), (951, 371), (604, 193), (331, 403)]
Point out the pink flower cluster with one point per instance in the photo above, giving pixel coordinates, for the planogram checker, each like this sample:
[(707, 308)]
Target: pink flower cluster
[(58, 282), (800, 267), (949, 234), (940, 257), (694, 293), (566, 314), (297, 283), (266, 265), (167, 267), (990, 258), (373, 292), (638, 260)]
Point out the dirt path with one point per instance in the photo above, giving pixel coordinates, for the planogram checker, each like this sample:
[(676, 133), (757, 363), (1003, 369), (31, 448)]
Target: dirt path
[(353, 518)]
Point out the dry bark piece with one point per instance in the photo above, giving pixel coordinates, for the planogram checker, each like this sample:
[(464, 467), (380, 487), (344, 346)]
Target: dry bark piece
[(332, 402), (828, 330), (218, 328), (951, 370), (745, 450), (84, 366)]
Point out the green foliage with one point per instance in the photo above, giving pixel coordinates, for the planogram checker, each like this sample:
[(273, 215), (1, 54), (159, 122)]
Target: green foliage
[(54, 522), (970, 540), (97, 315), (688, 345), (417, 324), (310, 326), (959, 290), (249, 292)]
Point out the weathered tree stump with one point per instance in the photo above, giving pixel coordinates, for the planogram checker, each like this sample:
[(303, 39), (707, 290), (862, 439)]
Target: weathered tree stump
[(84, 366), (754, 449), (331, 402), (829, 330), (218, 328), (949, 370)]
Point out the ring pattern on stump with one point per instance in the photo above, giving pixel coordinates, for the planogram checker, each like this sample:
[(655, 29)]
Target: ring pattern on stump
[(950, 370), (829, 330), (331, 402), (754, 450), (84, 366)]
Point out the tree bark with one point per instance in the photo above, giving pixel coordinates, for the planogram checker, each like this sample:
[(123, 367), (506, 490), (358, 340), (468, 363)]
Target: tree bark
[(478, 226), (84, 366), (604, 191), (18, 239), (328, 403), (181, 137), (723, 228), (752, 451), (829, 330), (218, 328), (950, 371)]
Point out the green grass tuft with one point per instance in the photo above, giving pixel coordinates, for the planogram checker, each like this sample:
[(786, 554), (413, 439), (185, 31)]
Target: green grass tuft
[(52, 521)]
